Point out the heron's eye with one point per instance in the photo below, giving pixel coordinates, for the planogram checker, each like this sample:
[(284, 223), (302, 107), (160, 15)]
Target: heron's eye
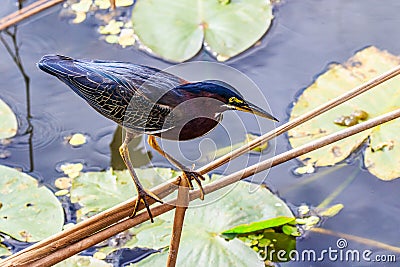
[(235, 100)]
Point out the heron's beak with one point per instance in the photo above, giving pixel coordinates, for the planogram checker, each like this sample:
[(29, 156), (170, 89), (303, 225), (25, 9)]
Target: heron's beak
[(257, 111)]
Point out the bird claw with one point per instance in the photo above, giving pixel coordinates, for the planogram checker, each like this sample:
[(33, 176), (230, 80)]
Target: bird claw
[(197, 177), (143, 194)]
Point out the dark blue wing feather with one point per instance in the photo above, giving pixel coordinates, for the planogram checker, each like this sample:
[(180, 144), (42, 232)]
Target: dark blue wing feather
[(118, 89)]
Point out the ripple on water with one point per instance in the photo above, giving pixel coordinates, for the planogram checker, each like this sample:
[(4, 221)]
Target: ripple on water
[(43, 129)]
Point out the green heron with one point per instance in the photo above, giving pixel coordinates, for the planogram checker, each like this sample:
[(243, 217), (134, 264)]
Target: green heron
[(146, 100)]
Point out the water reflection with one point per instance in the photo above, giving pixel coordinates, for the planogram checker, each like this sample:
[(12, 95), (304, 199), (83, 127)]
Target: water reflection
[(9, 39), (136, 150)]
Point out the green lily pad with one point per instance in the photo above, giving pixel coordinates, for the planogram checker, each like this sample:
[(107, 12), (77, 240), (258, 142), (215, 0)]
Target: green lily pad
[(27, 212), (278, 242), (256, 226), (177, 30), (382, 155), (201, 243), (98, 191), (203, 250), (83, 261), (8, 121)]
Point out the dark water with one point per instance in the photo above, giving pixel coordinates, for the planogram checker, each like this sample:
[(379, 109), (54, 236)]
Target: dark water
[(305, 37)]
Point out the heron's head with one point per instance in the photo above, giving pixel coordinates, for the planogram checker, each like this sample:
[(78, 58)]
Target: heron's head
[(228, 96)]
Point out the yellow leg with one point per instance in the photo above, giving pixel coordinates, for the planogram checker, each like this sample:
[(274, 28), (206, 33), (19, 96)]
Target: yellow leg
[(142, 193), (189, 175)]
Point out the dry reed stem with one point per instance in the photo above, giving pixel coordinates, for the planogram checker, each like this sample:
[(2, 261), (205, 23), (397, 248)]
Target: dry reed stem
[(180, 210), (26, 12)]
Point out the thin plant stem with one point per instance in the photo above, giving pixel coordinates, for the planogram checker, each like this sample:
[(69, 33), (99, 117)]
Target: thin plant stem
[(72, 249), (15, 55)]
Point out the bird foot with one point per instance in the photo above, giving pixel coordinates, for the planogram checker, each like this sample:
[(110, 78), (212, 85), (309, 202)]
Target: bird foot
[(197, 177), (143, 195)]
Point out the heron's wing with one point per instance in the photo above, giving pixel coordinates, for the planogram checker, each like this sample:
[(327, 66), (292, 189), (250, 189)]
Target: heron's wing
[(114, 90), (149, 82)]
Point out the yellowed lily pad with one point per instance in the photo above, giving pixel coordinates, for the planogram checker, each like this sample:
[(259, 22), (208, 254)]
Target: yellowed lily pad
[(382, 156), (77, 139), (8, 121), (105, 4), (72, 170), (27, 212)]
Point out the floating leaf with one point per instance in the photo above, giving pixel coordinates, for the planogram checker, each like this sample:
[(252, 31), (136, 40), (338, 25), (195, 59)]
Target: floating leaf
[(203, 250), (27, 212), (121, 3), (177, 30), (331, 211), (63, 182), (307, 168), (4, 251), (203, 225), (106, 4), (72, 169), (98, 191), (113, 27), (82, 6), (83, 261), (112, 39), (383, 153), (259, 225), (103, 4), (8, 121), (126, 37), (79, 17), (260, 148), (62, 192), (275, 245), (77, 139)]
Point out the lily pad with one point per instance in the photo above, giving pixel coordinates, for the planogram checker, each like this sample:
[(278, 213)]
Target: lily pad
[(77, 139), (256, 226), (4, 251), (200, 250), (382, 155), (177, 30), (8, 121), (27, 212), (83, 261), (201, 242), (98, 191)]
